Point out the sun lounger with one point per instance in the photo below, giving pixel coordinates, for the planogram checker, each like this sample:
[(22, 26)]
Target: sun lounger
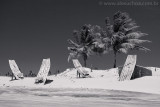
[(15, 70), (43, 72), (128, 68), (80, 69)]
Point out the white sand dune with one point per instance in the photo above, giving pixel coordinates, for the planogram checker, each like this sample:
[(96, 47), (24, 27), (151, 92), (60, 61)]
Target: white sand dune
[(101, 79)]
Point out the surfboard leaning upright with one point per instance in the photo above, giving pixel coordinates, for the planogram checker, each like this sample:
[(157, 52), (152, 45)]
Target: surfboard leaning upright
[(15, 70), (80, 69), (128, 68), (43, 72)]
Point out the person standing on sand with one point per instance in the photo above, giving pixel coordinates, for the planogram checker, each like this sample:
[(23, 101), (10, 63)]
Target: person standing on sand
[(91, 67)]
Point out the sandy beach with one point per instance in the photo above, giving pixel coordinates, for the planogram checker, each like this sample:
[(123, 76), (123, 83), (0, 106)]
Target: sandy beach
[(100, 79), (66, 90)]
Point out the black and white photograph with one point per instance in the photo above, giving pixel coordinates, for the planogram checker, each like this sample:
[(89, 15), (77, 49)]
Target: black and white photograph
[(79, 53)]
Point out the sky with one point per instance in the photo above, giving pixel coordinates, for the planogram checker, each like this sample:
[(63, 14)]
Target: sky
[(31, 30)]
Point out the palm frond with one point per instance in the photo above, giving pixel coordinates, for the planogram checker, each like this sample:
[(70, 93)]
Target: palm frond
[(137, 47), (129, 29), (107, 21), (137, 41), (72, 49), (76, 36), (127, 45), (73, 43), (129, 22), (135, 35), (123, 50), (109, 27), (89, 52)]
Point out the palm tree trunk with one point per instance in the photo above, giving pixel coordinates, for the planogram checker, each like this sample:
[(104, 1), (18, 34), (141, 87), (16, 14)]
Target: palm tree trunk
[(85, 63), (115, 60), (85, 60)]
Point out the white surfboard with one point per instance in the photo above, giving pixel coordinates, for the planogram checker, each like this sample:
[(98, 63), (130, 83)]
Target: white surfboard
[(79, 68), (43, 72), (128, 68), (15, 70)]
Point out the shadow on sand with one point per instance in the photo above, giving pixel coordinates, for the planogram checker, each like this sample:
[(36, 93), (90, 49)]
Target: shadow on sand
[(48, 81)]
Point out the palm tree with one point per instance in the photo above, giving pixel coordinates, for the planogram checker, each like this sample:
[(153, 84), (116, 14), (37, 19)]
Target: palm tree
[(123, 35), (82, 45)]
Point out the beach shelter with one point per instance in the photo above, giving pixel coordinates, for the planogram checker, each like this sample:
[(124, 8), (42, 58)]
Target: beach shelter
[(15, 70), (80, 70), (128, 68), (140, 71), (132, 71), (43, 72)]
